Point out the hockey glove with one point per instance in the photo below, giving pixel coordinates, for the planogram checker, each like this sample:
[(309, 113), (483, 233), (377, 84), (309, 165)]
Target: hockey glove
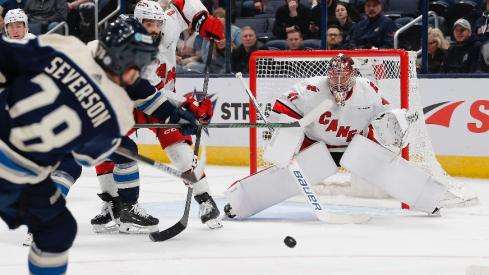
[(199, 109), (178, 114), (208, 26)]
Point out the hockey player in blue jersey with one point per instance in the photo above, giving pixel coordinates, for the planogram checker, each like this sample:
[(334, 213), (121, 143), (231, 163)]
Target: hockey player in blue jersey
[(58, 100)]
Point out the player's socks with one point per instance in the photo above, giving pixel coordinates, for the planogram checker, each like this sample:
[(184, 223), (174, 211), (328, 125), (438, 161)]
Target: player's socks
[(208, 211), (47, 263)]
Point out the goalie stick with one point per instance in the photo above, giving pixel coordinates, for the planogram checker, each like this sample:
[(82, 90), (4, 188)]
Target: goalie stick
[(303, 122), (321, 213), (160, 236), (252, 98)]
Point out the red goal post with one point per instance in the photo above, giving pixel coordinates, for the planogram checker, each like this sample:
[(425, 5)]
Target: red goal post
[(399, 54)]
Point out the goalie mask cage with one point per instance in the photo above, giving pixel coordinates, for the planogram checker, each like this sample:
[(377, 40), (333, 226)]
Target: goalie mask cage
[(272, 73)]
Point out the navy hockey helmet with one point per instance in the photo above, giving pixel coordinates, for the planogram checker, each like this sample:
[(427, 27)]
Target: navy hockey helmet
[(126, 44)]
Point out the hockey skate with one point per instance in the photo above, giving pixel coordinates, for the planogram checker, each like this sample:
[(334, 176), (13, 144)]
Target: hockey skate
[(208, 211), (108, 220), (29, 240), (135, 220), (228, 211)]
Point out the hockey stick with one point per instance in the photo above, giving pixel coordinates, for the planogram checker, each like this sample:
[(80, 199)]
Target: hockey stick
[(311, 197), (160, 236), (252, 98), (192, 177), (303, 122)]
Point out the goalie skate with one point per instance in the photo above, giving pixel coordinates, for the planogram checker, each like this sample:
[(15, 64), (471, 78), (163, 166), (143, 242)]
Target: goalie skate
[(108, 220), (135, 220), (208, 211)]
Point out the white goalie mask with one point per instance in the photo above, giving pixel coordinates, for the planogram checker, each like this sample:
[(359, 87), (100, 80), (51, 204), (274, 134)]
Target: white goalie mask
[(342, 75), (16, 15)]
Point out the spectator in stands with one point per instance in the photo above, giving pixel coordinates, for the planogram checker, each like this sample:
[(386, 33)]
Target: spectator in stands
[(188, 52), (293, 13), (2, 29), (218, 64), (48, 13), (437, 48), (7, 5), (314, 31), (481, 26), (483, 61), (220, 14), (463, 56), (334, 38), (375, 32), (345, 22), (241, 55), (251, 8), (294, 39)]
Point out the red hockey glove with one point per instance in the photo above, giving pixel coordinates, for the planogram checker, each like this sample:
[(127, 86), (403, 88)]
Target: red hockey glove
[(208, 26), (199, 109)]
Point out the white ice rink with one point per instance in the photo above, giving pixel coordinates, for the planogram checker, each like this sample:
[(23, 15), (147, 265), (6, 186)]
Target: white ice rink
[(395, 241)]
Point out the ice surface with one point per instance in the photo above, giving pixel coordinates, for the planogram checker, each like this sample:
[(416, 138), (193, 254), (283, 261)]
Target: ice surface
[(395, 241)]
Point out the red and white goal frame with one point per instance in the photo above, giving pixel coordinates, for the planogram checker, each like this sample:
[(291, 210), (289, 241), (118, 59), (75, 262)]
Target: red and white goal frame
[(272, 73)]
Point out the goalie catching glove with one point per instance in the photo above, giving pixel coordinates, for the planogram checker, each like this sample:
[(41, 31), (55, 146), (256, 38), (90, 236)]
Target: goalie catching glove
[(199, 109), (392, 128), (208, 26), (177, 115)]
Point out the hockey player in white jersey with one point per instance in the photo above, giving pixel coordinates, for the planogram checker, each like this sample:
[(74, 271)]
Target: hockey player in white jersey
[(165, 28), (17, 25), (360, 114), (58, 100)]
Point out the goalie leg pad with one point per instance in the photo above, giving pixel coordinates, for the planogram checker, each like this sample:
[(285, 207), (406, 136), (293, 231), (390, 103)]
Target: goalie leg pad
[(400, 178), (268, 187), (284, 144)]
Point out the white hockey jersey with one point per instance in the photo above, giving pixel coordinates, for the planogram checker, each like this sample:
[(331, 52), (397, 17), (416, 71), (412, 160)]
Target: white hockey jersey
[(177, 18), (337, 126)]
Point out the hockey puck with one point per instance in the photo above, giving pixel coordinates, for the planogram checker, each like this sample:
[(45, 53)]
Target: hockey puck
[(290, 242)]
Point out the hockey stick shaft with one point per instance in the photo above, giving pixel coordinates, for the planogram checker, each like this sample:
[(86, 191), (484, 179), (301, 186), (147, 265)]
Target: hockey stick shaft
[(181, 225), (223, 125), (192, 177), (252, 97), (303, 122), (321, 213)]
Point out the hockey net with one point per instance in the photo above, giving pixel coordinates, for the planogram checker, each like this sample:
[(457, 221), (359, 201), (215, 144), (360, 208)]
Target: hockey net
[(272, 73)]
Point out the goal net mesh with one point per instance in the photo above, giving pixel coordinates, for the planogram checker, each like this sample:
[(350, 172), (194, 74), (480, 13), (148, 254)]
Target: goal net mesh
[(271, 76)]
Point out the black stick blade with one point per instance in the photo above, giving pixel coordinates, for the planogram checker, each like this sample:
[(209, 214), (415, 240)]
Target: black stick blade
[(160, 236)]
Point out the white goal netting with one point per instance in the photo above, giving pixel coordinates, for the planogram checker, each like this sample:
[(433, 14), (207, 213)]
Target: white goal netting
[(393, 71)]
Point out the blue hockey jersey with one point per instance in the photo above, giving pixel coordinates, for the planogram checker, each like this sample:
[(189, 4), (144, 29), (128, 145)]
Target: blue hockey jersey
[(56, 100)]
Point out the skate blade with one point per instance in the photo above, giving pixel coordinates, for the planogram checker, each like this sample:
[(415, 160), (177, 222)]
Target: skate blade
[(129, 228), (214, 223), (104, 229), (29, 240)]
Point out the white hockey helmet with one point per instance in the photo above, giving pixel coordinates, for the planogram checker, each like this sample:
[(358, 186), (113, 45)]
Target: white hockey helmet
[(342, 75), (16, 15), (147, 9)]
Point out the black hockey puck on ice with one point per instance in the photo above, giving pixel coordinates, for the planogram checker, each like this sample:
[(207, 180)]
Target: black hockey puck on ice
[(290, 242)]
